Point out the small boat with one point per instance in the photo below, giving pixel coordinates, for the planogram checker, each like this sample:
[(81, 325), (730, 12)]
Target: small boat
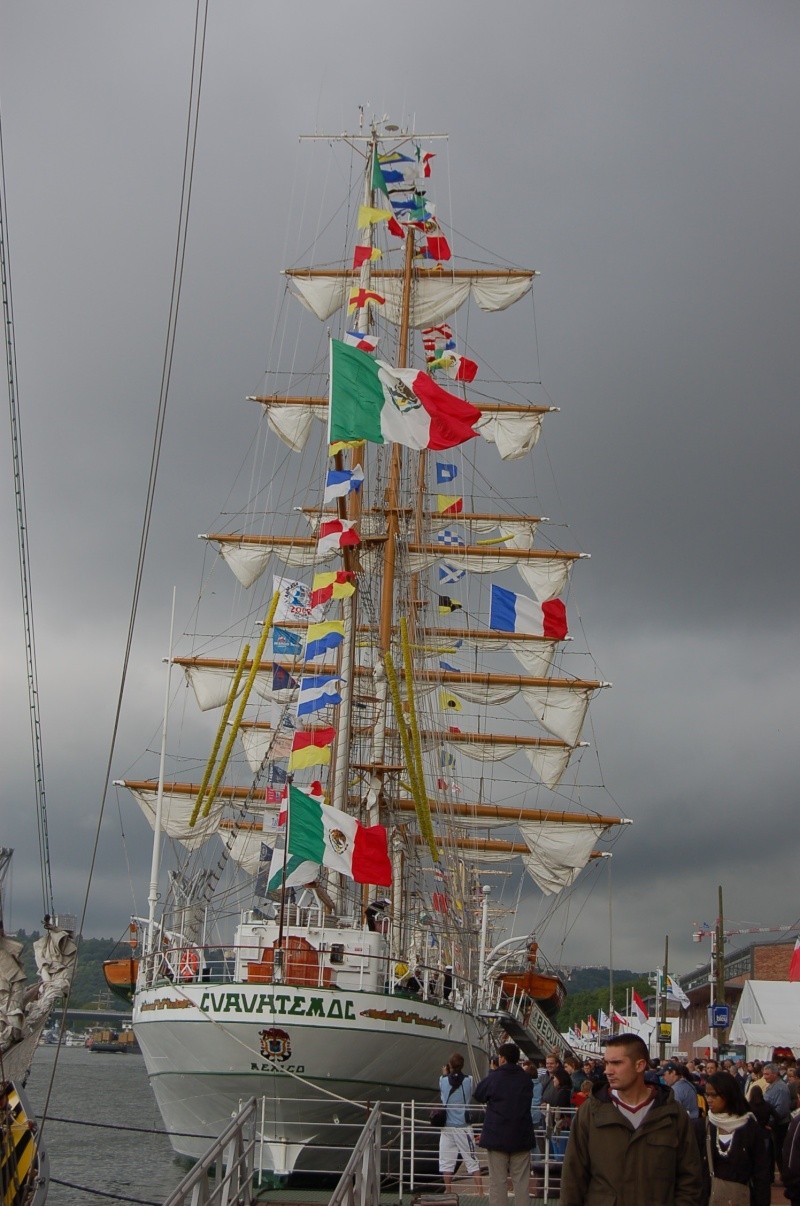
[(114, 1042)]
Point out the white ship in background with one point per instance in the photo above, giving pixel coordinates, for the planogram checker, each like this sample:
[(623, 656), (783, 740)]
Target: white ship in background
[(397, 715)]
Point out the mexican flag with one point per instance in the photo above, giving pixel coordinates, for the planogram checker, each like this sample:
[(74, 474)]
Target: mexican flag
[(321, 834), (371, 401)]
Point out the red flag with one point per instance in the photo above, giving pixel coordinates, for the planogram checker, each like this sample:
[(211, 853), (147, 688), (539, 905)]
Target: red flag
[(638, 1006), (794, 966), (439, 902)]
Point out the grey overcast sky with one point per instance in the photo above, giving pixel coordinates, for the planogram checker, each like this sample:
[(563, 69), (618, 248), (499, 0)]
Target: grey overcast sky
[(644, 157)]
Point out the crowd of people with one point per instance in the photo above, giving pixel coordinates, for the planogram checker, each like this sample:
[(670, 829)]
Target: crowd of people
[(634, 1131)]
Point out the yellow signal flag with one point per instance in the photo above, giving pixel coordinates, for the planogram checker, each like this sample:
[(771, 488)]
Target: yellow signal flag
[(367, 215), (449, 702)]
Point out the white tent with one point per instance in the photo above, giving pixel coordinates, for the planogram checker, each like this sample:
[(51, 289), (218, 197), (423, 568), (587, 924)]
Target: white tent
[(768, 1016)]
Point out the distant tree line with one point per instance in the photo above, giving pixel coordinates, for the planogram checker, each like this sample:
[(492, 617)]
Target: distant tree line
[(588, 993)]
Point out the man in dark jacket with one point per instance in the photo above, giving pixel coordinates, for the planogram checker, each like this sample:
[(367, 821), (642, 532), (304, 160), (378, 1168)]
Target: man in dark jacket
[(507, 1128), (631, 1143)]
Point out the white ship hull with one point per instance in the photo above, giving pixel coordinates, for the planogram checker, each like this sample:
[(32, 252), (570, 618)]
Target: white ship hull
[(311, 1054)]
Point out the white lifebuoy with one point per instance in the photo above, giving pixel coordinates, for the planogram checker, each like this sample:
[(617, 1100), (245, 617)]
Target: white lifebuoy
[(189, 964)]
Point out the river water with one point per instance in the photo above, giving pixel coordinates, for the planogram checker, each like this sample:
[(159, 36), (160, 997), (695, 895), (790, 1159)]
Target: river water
[(103, 1132)]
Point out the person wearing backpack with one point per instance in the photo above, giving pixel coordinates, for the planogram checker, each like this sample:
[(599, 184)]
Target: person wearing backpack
[(456, 1137)]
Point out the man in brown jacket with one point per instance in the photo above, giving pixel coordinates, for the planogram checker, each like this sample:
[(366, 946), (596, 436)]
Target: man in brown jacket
[(631, 1143)]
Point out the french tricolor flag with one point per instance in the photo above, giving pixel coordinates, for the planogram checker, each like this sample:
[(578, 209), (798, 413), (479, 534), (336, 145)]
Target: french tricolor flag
[(517, 613)]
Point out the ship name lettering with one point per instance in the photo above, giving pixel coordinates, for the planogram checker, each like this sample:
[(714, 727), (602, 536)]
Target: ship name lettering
[(268, 1003)]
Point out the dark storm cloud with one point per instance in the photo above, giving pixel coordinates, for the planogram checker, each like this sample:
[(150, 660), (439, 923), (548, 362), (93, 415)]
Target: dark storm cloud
[(643, 157)]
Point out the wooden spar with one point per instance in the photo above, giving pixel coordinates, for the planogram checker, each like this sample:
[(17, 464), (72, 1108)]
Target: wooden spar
[(493, 845), (500, 811), (320, 400), (453, 552), (377, 274), (434, 634), (438, 677)]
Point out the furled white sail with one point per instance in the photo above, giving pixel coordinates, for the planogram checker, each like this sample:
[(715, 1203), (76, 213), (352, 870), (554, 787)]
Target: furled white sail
[(434, 299), (547, 576), (176, 810), (561, 712), (248, 561), (514, 435), (557, 852)]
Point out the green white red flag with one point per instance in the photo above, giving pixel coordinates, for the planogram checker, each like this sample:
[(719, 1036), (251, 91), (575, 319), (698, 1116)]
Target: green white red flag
[(370, 400)]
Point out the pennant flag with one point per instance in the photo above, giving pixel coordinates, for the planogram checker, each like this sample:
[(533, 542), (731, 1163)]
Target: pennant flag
[(450, 573), (437, 247), (311, 748), (449, 536), (339, 585), (371, 401), (449, 702), (445, 473), (265, 857), (341, 482), (447, 666), (282, 680), (449, 504), (794, 965), (317, 691), (447, 760), (367, 216), (639, 1008), (337, 534), (286, 642), (360, 339), (517, 613), (363, 254), (676, 993), (447, 604), (457, 367), (294, 602), (322, 638), (324, 835), (359, 298)]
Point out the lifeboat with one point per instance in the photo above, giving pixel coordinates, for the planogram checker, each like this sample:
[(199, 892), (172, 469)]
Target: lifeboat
[(545, 988)]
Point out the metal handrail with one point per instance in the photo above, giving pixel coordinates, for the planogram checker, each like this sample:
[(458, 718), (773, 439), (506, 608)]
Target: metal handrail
[(230, 1160), (360, 1183)]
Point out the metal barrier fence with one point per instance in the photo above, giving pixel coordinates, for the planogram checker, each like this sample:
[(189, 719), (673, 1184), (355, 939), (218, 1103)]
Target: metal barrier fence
[(391, 1144)]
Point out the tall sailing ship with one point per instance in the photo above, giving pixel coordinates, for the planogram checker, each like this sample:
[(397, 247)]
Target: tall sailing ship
[(400, 724)]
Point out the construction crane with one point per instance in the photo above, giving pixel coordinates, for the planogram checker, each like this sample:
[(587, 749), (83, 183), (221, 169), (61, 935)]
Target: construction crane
[(707, 931)]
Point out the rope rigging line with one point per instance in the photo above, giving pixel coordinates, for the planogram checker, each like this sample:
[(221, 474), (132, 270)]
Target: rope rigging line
[(22, 545), (195, 88)]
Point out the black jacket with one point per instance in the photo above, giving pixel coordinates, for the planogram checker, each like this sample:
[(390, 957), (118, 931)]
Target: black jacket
[(747, 1161), (507, 1093)]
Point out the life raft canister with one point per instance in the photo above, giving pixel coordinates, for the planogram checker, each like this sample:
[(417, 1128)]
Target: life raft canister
[(189, 964)]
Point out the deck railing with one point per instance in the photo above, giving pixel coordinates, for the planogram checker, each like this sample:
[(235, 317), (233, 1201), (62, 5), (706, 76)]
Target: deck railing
[(224, 1175)]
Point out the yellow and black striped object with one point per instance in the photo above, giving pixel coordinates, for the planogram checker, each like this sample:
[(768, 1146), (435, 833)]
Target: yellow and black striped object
[(19, 1152)]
